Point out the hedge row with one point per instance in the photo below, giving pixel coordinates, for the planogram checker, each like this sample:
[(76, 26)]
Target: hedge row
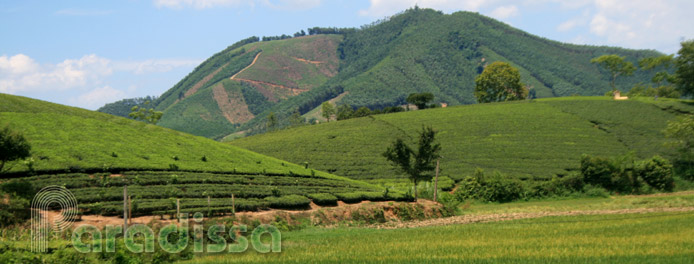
[(323, 199)]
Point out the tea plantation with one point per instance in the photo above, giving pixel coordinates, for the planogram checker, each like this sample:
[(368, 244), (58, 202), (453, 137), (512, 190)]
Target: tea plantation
[(95, 154), (532, 140)]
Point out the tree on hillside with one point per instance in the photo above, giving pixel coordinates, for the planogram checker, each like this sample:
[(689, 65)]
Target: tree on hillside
[(148, 115), (664, 63), (13, 146), (327, 110), (344, 112), (296, 120), (420, 99), (616, 65), (271, 124), (362, 112), (499, 82), (417, 165), (681, 133), (685, 68)]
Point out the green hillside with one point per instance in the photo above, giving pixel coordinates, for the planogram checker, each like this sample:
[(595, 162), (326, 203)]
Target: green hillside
[(421, 50), (377, 65), (94, 154), (527, 139), (240, 82)]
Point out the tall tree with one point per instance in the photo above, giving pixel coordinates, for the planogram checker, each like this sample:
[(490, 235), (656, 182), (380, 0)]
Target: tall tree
[(681, 133), (327, 110), (417, 165), (344, 112), (685, 68), (13, 146), (271, 124), (420, 99), (616, 65), (147, 115), (296, 120), (664, 63), (499, 82)]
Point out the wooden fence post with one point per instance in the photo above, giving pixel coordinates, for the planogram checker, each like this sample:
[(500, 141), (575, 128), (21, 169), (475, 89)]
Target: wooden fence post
[(125, 208), (436, 181)]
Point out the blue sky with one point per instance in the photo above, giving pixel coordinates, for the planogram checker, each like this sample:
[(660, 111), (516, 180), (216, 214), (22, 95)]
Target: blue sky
[(87, 53)]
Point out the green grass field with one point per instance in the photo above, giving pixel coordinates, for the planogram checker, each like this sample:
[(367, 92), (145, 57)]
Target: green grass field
[(629, 238), (66, 138), (530, 140)]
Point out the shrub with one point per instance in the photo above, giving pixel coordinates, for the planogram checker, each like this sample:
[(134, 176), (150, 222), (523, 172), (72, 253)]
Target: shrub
[(323, 199), (614, 174), (289, 202), (595, 191), (468, 188), (656, 172), (351, 197), (500, 189)]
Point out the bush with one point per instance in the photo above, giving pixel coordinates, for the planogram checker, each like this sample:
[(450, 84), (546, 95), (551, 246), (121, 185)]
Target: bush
[(289, 202), (622, 174), (323, 199), (656, 172), (595, 191), (496, 188), (614, 174), (500, 189), (468, 188), (351, 197)]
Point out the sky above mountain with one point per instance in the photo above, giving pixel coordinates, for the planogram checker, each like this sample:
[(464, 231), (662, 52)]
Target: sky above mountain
[(88, 53)]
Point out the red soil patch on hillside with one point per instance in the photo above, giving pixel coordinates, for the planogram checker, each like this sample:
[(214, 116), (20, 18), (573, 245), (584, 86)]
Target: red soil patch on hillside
[(233, 106), (204, 81)]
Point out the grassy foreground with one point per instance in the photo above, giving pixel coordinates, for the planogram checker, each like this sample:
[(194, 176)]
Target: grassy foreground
[(631, 238)]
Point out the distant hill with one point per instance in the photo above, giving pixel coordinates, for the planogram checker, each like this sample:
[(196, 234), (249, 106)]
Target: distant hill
[(377, 65), (94, 154), (532, 140)]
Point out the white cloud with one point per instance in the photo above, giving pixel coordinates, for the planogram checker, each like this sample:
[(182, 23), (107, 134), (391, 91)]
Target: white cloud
[(17, 64), (98, 97), (154, 65), (86, 78), (643, 23), (381, 8), (504, 12), (21, 73), (197, 4), (292, 4), (204, 4), (568, 25)]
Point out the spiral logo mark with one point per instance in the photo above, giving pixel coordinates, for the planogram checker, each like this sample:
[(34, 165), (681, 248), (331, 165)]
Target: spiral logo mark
[(43, 222)]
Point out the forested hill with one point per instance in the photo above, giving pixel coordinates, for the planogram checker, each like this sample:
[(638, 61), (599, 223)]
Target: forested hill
[(419, 50)]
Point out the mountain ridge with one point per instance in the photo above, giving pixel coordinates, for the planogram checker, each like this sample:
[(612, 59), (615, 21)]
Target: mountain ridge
[(378, 65)]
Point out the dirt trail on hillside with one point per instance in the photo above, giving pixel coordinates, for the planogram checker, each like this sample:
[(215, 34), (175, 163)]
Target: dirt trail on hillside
[(233, 77), (469, 219), (308, 61)]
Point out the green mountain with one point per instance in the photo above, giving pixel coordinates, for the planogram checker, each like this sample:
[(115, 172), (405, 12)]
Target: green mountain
[(532, 140), (94, 154), (377, 65)]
